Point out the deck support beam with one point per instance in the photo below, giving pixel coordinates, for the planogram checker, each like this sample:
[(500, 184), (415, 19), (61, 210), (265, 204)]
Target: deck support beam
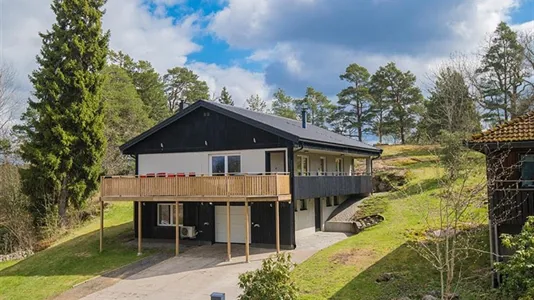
[(101, 225), (177, 227), (139, 229), (277, 222), (228, 233), (247, 233)]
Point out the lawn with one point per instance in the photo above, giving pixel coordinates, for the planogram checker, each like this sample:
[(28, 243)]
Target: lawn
[(349, 269), (73, 259)]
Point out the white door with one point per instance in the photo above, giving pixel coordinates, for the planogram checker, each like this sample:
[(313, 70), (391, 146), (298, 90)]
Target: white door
[(237, 224)]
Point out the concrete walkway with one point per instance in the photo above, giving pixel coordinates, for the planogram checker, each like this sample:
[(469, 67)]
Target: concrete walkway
[(200, 271)]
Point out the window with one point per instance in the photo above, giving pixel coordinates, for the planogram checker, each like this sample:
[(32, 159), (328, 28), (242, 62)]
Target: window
[(303, 165), (336, 201), (303, 204), (225, 164), (527, 170), (322, 166), (328, 201), (339, 166), (166, 214)]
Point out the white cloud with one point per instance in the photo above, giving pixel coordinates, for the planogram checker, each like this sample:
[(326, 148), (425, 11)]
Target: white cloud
[(239, 82), (155, 37)]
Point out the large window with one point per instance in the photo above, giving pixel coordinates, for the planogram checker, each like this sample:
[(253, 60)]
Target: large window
[(303, 165), (527, 170), (167, 216), (225, 164)]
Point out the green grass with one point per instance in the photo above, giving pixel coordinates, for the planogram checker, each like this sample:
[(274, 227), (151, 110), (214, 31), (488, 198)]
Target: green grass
[(73, 259), (349, 269)]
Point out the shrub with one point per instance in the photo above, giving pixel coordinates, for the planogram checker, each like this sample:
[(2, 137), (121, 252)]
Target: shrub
[(518, 269), (271, 282)]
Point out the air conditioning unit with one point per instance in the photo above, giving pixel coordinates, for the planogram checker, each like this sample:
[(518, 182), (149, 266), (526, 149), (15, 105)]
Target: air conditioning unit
[(187, 231)]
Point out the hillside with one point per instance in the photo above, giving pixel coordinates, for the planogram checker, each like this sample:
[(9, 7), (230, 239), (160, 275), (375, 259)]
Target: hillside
[(73, 259), (349, 269)]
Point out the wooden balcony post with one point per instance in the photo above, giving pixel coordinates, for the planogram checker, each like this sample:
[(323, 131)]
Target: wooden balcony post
[(177, 228), (139, 229), (101, 224), (247, 232), (228, 233), (277, 213)]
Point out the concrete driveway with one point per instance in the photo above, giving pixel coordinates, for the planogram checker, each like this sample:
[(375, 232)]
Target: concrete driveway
[(202, 270)]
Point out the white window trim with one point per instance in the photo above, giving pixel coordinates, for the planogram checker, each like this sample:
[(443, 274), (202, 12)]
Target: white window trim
[(225, 155), (173, 220), (301, 158), (323, 166), (340, 171)]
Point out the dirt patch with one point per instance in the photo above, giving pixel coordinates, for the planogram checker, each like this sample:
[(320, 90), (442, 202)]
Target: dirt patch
[(352, 256)]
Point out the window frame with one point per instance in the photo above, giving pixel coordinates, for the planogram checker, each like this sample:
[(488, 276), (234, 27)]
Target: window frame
[(336, 200), (322, 166), (303, 204), (525, 183), (339, 167), (225, 155), (300, 170), (172, 212)]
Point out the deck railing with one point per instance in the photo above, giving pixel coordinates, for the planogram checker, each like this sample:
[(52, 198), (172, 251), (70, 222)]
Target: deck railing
[(196, 186)]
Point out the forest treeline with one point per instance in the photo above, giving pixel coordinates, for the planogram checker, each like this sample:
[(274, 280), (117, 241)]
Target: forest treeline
[(88, 99)]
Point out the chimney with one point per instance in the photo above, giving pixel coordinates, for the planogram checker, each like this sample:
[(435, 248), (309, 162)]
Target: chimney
[(303, 117), (181, 105)]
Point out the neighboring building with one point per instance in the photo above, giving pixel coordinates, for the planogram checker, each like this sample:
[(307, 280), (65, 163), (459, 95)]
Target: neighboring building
[(509, 150), (216, 159)]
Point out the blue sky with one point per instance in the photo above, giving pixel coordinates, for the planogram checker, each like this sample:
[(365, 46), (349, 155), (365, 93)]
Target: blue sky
[(258, 46)]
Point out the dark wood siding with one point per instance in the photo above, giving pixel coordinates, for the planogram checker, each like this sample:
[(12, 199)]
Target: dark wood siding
[(307, 187), (205, 130), (512, 207), (263, 224)]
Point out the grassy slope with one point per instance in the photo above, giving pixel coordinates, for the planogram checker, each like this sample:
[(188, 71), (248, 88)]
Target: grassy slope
[(348, 270), (73, 259)]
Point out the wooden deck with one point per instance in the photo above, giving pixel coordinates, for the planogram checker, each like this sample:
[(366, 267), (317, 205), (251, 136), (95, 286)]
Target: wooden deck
[(236, 188)]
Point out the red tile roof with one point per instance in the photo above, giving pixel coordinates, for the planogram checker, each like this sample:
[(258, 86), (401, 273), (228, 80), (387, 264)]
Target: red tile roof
[(517, 129)]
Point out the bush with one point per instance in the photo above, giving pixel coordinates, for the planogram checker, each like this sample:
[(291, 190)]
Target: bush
[(272, 281), (518, 269)]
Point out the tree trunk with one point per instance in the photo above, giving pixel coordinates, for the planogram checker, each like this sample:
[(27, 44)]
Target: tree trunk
[(62, 203)]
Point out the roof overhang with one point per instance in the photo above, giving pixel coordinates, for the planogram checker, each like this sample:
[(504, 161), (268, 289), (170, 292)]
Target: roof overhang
[(485, 147)]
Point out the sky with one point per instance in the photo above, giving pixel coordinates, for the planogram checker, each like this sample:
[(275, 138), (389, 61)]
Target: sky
[(258, 46)]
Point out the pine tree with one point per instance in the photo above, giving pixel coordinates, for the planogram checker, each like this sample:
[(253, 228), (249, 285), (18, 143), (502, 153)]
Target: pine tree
[(283, 105), (63, 130), (502, 74), (319, 108), (450, 107), (353, 112), (126, 117), (148, 83), (399, 93), (225, 97), (181, 84), (255, 103)]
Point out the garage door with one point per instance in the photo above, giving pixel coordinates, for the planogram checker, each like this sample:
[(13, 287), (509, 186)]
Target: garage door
[(237, 224)]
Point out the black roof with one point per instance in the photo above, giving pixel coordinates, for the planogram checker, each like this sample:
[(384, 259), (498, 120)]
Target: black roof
[(287, 128)]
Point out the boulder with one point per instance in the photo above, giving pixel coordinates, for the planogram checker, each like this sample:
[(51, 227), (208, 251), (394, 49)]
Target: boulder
[(387, 180)]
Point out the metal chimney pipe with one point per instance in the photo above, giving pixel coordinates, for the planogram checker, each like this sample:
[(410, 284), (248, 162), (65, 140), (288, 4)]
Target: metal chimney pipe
[(303, 117)]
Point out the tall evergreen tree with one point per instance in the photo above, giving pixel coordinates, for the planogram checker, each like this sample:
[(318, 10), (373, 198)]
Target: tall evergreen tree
[(225, 97), (148, 83), (402, 96), (450, 107), (282, 105), (255, 103), (63, 130), (125, 116), (317, 105), (181, 84), (502, 73), (379, 107), (354, 105)]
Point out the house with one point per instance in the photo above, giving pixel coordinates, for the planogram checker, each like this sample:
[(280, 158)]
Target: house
[(219, 167), (509, 150)]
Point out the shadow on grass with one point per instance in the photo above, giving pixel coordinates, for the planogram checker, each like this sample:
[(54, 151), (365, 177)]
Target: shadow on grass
[(414, 277), (80, 255)]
